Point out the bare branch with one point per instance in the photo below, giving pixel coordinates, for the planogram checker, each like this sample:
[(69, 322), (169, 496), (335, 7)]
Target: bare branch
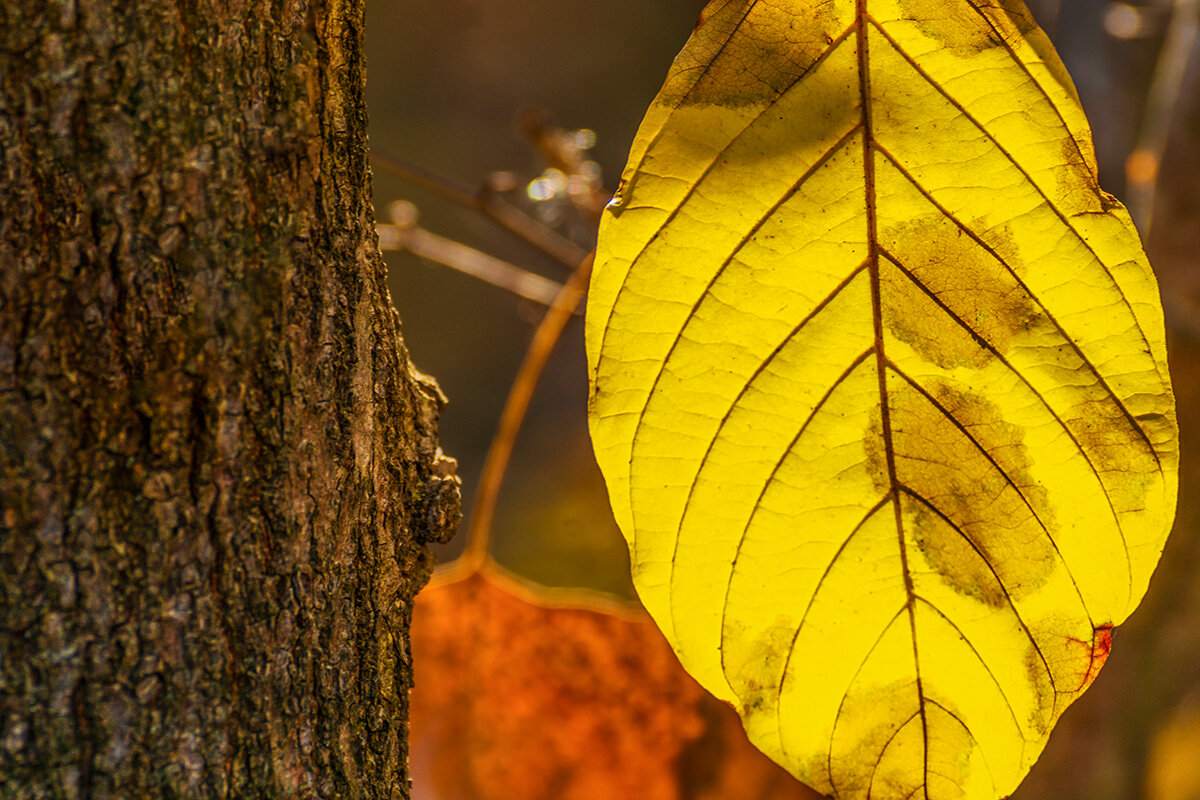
[(545, 338), (507, 216), (406, 235)]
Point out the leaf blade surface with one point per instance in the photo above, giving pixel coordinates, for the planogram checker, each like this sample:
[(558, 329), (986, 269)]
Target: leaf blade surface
[(879, 387)]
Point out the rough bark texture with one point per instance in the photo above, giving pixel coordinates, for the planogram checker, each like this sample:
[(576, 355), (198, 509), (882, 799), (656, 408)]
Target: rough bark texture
[(217, 467)]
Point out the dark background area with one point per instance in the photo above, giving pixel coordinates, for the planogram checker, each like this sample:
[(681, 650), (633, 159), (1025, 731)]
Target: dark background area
[(447, 80)]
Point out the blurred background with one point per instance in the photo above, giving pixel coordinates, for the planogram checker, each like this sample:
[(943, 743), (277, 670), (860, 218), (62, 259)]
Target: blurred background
[(447, 82)]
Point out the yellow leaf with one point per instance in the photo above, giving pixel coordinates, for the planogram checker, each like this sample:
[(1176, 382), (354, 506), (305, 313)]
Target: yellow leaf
[(879, 387)]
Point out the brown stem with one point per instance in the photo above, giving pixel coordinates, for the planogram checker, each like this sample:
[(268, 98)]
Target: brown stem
[(406, 235), (486, 202), (546, 336)]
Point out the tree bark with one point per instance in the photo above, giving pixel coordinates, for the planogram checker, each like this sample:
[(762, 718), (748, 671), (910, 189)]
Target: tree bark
[(218, 469)]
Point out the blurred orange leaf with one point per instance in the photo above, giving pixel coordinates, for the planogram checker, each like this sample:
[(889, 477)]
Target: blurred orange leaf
[(523, 692)]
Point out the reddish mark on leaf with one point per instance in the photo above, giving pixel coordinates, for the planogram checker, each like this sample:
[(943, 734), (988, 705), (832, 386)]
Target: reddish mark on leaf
[(1101, 645)]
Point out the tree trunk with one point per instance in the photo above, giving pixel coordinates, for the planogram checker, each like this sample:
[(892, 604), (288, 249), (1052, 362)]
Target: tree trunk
[(217, 467)]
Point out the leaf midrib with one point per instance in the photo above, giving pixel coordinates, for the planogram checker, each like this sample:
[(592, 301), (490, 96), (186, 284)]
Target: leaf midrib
[(866, 124)]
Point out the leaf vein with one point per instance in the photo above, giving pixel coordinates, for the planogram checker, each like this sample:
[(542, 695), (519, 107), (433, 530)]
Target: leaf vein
[(982, 752), (770, 479), (986, 345), (692, 187), (888, 743), (841, 706), (725, 265), (945, 412), (1020, 620), (1049, 316), (824, 303), (1021, 169), (811, 600), (967, 640), (708, 65), (1020, 62)]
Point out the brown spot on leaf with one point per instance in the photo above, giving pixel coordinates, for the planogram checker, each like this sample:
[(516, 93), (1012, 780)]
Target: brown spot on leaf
[(1042, 715), (953, 557), (960, 29), (951, 746), (969, 470), (759, 665), (966, 28), (1010, 17), (1116, 448), (956, 27), (875, 446), (709, 10), (863, 735), (1078, 187), (971, 304), (916, 320), (744, 52)]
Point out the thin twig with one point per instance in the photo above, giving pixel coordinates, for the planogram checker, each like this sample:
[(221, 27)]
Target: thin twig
[(407, 236), (485, 201), (1143, 166), (546, 336)]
